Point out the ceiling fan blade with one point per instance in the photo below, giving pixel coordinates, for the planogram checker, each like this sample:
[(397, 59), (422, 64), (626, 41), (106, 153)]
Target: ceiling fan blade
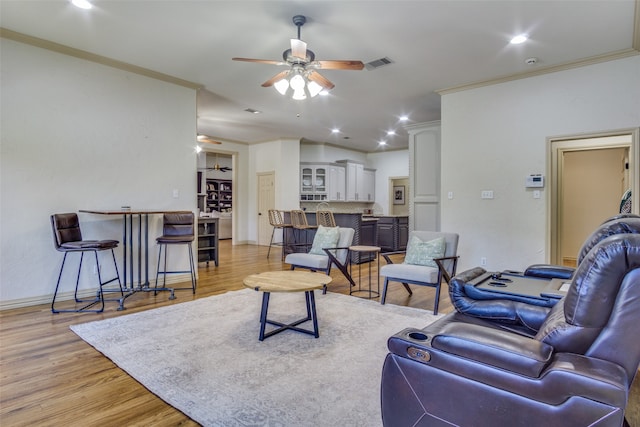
[(340, 65), (261, 61), (281, 75), (208, 139), (298, 49), (321, 80)]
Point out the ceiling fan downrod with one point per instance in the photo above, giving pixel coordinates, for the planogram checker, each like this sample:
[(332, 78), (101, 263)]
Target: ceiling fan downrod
[(299, 21)]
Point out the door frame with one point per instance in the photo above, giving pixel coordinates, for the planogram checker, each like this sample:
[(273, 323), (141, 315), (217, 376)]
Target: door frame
[(234, 179), (556, 146)]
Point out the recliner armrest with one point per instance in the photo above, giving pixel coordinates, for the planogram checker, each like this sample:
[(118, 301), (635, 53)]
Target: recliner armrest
[(511, 352), (549, 271)]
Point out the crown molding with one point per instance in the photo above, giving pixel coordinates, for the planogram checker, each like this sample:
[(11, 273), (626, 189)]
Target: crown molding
[(103, 60), (541, 71), (611, 56)]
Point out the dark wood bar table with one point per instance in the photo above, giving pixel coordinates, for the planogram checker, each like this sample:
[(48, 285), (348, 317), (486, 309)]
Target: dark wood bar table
[(127, 245)]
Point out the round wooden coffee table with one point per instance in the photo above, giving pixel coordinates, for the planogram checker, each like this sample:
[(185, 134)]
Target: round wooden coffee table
[(287, 281)]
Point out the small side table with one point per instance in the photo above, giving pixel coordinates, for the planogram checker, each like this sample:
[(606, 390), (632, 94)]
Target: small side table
[(369, 293), (287, 281)]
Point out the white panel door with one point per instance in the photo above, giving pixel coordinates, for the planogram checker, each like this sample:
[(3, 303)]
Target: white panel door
[(266, 201)]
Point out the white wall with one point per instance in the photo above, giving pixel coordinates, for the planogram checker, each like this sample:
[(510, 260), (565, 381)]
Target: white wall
[(283, 158), (79, 135), (492, 137)]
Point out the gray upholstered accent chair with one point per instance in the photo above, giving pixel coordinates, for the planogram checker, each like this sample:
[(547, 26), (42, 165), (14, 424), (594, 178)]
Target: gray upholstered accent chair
[(333, 256), (425, 273)]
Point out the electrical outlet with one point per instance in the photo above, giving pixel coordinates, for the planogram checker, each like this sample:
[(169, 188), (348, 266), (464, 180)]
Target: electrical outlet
[(483, 261), (486, 194)]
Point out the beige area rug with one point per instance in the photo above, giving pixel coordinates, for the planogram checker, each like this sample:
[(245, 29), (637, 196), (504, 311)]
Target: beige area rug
[(204, 358)]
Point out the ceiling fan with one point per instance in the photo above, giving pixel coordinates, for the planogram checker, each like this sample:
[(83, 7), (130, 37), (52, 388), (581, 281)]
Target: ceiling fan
[(302, 76), (216, 167)]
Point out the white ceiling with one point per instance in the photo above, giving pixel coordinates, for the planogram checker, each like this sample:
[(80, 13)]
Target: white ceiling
[(434, 45)]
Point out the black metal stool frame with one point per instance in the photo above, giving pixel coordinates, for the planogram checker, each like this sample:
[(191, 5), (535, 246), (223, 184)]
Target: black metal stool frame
[(178, 229), (164, 270), (73, 242)]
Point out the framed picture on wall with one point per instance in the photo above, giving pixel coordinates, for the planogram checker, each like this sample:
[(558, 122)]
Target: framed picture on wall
[(398, 195)]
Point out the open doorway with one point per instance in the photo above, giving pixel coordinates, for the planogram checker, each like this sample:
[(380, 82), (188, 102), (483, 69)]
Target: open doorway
[(589, 177), (398, 194), (216, 189)]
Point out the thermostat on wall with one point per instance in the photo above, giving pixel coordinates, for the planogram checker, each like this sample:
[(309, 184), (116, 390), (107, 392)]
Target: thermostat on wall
[(535, 181)]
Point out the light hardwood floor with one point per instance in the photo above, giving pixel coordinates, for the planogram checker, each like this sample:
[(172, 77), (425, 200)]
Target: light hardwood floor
[(49, 376)]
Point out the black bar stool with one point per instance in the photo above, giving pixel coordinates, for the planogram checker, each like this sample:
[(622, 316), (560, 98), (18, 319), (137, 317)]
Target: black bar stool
[(177, 229), (67, 238)]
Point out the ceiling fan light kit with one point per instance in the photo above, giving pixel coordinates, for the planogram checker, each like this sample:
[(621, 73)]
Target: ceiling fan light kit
[(302, 81)]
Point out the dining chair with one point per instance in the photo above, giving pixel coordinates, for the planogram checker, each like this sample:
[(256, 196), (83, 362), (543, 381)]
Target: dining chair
[(178, 229), (299, 222), (276, 220), (325, 218), (67, 238)]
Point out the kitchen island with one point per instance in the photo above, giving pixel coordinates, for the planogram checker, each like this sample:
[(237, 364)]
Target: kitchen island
[(388, 232)]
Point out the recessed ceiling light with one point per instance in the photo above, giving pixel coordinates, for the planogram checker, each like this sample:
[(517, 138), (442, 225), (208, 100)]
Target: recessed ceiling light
[(82, 4), (521, 38), (391, 132), (404, 118), (335, 130), (252, 111), (382, 142)]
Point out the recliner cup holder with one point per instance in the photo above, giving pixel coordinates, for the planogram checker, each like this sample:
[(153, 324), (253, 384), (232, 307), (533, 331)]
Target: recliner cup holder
[(418, 336)]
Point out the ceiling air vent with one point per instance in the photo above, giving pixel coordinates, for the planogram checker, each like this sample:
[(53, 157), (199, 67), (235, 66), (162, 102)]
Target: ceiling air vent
[(377, 63)]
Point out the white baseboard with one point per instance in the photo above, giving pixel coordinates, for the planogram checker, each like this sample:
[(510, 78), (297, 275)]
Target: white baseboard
[(84, 293)]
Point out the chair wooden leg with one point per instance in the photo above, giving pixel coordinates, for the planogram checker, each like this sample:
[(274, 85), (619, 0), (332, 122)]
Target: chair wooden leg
[(342, 267), (193, 269), (384, 291), (406, 286), (435, 305)]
